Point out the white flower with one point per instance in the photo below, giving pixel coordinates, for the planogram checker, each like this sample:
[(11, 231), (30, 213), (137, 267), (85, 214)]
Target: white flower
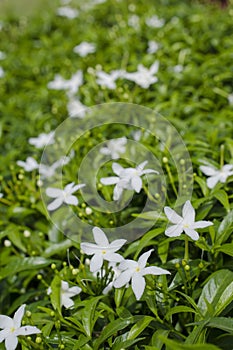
[(135, 271), (72, 85), (42, 140), (68, 12), (63, 196), (102, 250), (29, 165), (127, 178), (2, 73), (153, 47), (84, 49), (230, 99), (217, 175), (108, 80), (134, 21), (185, 223), (155, 22), (68, 293), (178, 68), (76, 109), (114, 147), (116, 273), (49, 171), (144, 77), (1, 195), (11, 329)]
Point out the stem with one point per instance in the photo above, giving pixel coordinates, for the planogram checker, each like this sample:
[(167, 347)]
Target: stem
[(221, 156), (186, 251)]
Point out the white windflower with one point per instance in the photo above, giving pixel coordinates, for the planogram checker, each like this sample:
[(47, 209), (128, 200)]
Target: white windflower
[(102, 250), (135, 271), (29, 165), (217, 175), (11, 329), (72, 85), (153, 47), (185, 223), (108, 79), (63, 196), (68, 12), (127, 178), (42, 140), (2, 73), (115, 147), (84, 49), (144, 77), (155, 22), (76, 109)]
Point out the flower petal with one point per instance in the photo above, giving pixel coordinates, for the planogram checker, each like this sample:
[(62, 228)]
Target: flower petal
[(6, 322), (117, 168), (77, 187), (174, 231), (143, 258), (66, 301), (154, 270), (11, 342), (53, 192), (75, 290), (123, 279), (136, 183), (96, 262), (90, 248), (117, 192), (71, 200), (172, 216), (191, 233), (149, 171), (142, 165), (138, 285), (208, 170), (100, 237), (213, 180), (117, 244), (202, 224), (64, 285), (113, 257), (55, 204), (4, 333), (128, 264), (111, 180), (26, 330), (18, 316), (188, 212)]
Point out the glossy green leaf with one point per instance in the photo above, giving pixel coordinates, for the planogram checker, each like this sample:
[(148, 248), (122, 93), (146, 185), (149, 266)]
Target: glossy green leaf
[(225, 229), (139, 327), (174, 345), (226, 249), (222, 196), (224, 323)]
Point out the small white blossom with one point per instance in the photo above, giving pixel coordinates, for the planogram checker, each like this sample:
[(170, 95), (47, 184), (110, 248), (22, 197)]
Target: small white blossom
[(68, 12), (63, 196), (127, 178), (135, 271), (102, 250), (185, 223), (11, 329), (134, 21), (49, 171), (29, 165), (42, 140), (108, 79), (230, 99), (217, 175), (115, 147), (67, 293), (71, 86), (2, 55), (178, 68), (144, 77), (2, 73), (155, 22), (153, 47), (76, 109), (1, 195), (84, 49)]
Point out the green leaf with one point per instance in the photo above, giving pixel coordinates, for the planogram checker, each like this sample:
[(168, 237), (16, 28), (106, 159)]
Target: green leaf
[(156, 341), (178, 309), (217, 293), (56, 248), (112, 328), (16, 265), (222, 196), (225, 228), (174, 345), (88, 313), (224, 323), (226, 248), (139, 327), (55, 295)]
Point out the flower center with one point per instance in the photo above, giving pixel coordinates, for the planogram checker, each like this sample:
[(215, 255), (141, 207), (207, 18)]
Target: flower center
[(186, 226), (12, 330), (104, 252), (137, 269)]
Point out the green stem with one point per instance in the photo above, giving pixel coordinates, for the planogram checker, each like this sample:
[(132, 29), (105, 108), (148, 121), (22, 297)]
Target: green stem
[(221, 156), (186, 251)]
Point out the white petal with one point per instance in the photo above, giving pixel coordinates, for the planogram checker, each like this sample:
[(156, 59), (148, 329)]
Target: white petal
[(105, 151), (11, 342), (128, 264), (96, 262), (123, 279), (77, 187), (66, 301), (111, 180), (138, 285), (202, 224), (89, 248), (207, 170), (18, 316), (142, 165), (191, 233), (75, 290), (117, 168), (117, 244), (117, 192), (100, 237), (26, 330), (6, 322), (5, 333), (227, 167), (71, 200), (154, 68), (53, 192), (153, 270), (55, 204), (136, 183), (188, 212), (174, 231), (172, 215), (143, 258), (113, 257), (150, 171), (64, 285), (213, 180)]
